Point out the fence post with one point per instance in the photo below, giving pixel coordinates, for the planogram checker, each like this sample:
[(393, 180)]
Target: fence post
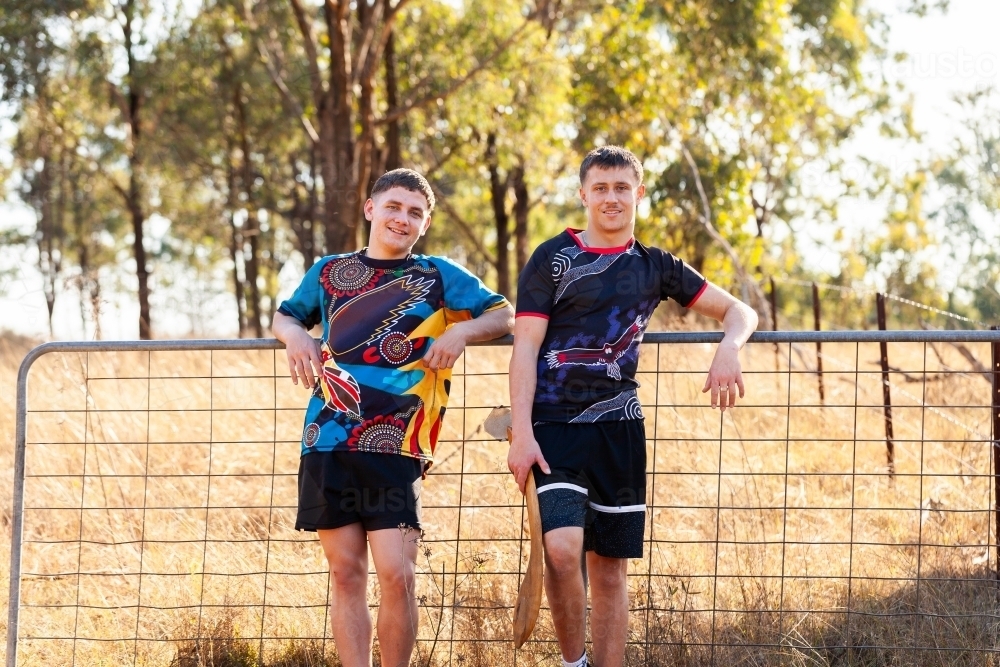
[(819, 345), (886, 399), (995, 409), (773, 298)]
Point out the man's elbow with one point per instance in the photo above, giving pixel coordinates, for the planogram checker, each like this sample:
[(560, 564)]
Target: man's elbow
[(508, 322), (277, 326), (283, 325)]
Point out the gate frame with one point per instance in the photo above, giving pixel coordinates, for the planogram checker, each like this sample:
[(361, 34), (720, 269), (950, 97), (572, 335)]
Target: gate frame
[(777, 337)]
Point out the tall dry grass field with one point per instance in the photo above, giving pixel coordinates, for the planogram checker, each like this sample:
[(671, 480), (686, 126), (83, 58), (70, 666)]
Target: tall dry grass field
[(161, 491)]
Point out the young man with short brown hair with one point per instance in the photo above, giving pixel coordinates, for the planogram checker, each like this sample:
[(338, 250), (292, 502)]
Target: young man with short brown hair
[(583, 303), (393, 326)]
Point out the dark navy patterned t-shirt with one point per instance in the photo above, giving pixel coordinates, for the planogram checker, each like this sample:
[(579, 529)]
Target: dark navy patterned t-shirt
[(598, 302)]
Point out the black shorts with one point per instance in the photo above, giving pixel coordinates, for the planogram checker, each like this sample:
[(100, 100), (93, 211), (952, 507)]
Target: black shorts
[(598, 483), (340, 488)]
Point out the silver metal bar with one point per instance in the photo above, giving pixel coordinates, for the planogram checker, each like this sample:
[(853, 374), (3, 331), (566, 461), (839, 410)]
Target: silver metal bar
[(677, 337), (17, 516)]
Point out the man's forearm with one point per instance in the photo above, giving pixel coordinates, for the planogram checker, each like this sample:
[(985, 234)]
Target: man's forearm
[(740, 321), (523, 380), (489, 325)]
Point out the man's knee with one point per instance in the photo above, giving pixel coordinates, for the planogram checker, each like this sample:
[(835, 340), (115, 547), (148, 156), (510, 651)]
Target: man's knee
[(349, 576), (397, 580), (563, 554), (607, 573)]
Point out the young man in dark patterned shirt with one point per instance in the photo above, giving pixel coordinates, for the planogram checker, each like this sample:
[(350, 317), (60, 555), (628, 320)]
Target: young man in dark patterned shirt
[(393, 326), (583, 302)]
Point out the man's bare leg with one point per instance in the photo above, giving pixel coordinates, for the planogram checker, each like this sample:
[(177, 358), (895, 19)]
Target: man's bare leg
[(565, 589), (394, 551), (346, 550), (609, 608)]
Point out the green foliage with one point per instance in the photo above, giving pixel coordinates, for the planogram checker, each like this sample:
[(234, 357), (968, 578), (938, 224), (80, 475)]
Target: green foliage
[(500, 102), (747, 88), (27, 48)]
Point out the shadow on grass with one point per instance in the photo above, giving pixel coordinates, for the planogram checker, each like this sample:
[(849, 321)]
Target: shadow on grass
[(947, 618)]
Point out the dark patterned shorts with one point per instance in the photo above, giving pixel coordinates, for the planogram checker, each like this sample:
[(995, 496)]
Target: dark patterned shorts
[(598, 483), (379, 491)]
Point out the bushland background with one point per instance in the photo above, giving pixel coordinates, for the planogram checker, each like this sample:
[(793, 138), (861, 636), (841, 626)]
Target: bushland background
[(171, 167)]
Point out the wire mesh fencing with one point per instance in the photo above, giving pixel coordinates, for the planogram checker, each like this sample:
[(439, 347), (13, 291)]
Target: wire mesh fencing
[(155, 492)]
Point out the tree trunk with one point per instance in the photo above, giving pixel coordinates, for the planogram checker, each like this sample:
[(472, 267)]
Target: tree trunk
[(251, 228), (134, 197), (138, 248), (95, 306), (498, 192), (366, 154), (303, 211), (83, 259), (273, 270), (521, 207), (393, 159), (49, 262), (82, 281), (340, 177), (313, 207), (235, 241)]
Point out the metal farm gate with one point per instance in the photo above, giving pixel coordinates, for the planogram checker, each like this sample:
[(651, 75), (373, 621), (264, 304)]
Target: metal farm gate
[(844, 513)]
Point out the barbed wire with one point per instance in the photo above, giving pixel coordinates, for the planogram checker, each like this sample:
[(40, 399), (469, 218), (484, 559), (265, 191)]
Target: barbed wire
[(888, 295)]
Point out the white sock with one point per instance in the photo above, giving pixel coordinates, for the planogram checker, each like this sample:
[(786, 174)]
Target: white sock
[(582, 662)]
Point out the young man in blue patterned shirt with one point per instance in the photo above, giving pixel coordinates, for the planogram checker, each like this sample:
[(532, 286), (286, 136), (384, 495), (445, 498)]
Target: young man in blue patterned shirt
[(393, 326)]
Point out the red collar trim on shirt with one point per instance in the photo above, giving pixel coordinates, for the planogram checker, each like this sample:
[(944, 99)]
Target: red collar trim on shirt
[(600, 251)]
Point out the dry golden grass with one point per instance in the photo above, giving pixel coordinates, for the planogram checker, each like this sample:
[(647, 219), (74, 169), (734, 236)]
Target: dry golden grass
[(779, 515)]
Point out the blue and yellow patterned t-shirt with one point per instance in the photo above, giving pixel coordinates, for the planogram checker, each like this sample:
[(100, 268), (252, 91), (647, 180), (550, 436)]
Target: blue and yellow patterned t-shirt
[(379, 317)]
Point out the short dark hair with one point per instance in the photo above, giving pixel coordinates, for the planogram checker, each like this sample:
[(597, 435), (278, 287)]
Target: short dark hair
[(408, 180), (610, 157)]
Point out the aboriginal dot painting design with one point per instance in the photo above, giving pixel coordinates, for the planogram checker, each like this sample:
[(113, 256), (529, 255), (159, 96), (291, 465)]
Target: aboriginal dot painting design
[(311, 435), (382, 435), (348, 277), (396, 348), (380, 317)]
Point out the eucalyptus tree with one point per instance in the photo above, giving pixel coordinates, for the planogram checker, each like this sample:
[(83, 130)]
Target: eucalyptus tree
[(727, 101), (493, 151), (116, 50), (112, 52), (335, 84), (31, 60), (238, 157)]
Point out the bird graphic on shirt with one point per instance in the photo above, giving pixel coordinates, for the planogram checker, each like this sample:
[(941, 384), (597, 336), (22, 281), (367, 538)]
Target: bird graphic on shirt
[(340, 389), (607, 356), (368, 316)]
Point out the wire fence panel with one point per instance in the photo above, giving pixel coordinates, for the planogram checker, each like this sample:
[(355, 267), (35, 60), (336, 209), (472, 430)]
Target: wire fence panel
[(155, 493)]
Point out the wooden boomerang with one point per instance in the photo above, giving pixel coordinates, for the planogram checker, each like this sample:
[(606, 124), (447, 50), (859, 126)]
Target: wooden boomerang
[(529, 597)]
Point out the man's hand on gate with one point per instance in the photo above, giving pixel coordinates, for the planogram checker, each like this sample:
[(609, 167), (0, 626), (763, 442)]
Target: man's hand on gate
[(303, 356), (725, 376), (447, 348), (738, 322), (524, 452)]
